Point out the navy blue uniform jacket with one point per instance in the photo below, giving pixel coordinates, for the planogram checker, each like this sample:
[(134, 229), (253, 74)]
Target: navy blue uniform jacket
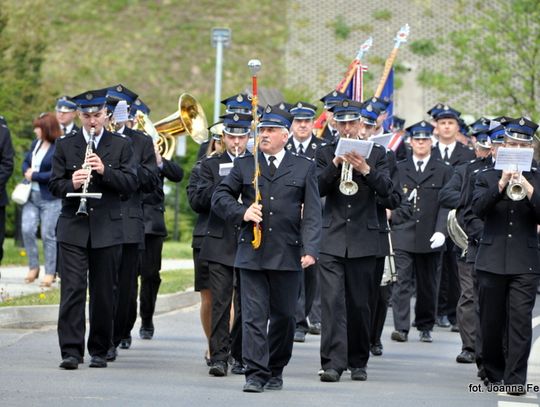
[(286, 236)]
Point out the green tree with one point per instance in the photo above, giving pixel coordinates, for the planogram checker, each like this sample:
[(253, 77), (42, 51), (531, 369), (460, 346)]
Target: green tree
[(22, 47), (497, 53)]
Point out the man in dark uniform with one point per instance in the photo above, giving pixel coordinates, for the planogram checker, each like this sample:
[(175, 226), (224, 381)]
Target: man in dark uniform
[(155, 232), (381, 298), (417, 235), (90, 247), (330, 132), (454, 153), (290, 219), (455, 195), (66, 110), (144, 160), (6, 169), (304, 143), (508, 264), (350, 244), (219, 248)]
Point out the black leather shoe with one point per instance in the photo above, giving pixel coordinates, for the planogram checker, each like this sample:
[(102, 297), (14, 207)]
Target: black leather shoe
[(359, 373), (112, 353), (330, 375), (481, 373), (253, 386), (219, 368), (299, 336), (98, 361), (238, 367), (399, 336), (125, 343), (442, 321), (315, 328), (465, 357), (69, 363), (425, 336), (275, 383), (376, 350), (146, 332)]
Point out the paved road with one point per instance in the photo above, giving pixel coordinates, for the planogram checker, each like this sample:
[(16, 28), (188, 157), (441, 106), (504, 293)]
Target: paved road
[(169, 371)]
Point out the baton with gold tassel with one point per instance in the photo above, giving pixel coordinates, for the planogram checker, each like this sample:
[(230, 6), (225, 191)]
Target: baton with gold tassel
[(254, 66)]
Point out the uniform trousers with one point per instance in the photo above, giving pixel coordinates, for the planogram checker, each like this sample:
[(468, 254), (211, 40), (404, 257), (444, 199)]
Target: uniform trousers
[(81, 267), (506, 304), (2, 230), (449, 283), (347, 290), (127, 279), (222, 289), (268, 300), (424, 266), (149, 268), (466, 308), (306, 297), (380, 304)]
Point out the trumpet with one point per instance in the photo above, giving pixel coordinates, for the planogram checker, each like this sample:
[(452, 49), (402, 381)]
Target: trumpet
[(346, 185), (85, 195), (515, 190)]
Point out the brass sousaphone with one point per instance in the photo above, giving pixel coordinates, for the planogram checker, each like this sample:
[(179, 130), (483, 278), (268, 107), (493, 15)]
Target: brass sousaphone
[(188, 119)]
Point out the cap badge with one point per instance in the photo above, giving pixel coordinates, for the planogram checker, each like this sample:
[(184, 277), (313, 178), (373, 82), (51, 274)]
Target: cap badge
[(522, 122), (345, 103), (236, 118), (299, 104), (239, 98), (119, 88), (268, 109), (423, 124), (282, 106), (334, 93), (89, 96), (369, 108), (446, 107)]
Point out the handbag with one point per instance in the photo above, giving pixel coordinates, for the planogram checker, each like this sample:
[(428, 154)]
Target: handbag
[(21, 193), (22, 190)]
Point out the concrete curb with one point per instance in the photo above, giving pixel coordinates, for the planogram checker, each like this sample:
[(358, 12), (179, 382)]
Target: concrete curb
[(37, 316)]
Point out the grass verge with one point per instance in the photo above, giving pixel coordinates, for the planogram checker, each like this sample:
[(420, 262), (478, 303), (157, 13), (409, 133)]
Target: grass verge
[(171, 282)]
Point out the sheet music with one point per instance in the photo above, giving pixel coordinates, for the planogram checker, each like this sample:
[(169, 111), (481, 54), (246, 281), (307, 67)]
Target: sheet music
[(361, 147), (383, 139), (514, 159)]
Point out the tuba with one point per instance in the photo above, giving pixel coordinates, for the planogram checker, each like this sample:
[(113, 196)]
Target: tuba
[(188, 119), (456, 233)]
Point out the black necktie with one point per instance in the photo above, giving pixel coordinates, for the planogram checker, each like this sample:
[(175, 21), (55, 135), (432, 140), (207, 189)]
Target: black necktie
[(272, 167), (300, 149), (65, 130), (446, 154), (419, 163)]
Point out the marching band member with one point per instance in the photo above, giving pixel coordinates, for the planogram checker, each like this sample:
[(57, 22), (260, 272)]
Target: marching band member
[(270, 274), (417, 235), (90, 247), (304, 143), (454, 153), (144, 160), (508, 264), (219, 248), (350, 244)]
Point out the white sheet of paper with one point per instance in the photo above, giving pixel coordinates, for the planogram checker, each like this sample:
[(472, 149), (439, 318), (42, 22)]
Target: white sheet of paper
[(514, 159), (225, 168), (347, 145), (383, 139)]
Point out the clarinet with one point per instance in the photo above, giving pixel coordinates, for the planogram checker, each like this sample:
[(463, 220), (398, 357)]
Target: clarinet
[(84, 195)]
